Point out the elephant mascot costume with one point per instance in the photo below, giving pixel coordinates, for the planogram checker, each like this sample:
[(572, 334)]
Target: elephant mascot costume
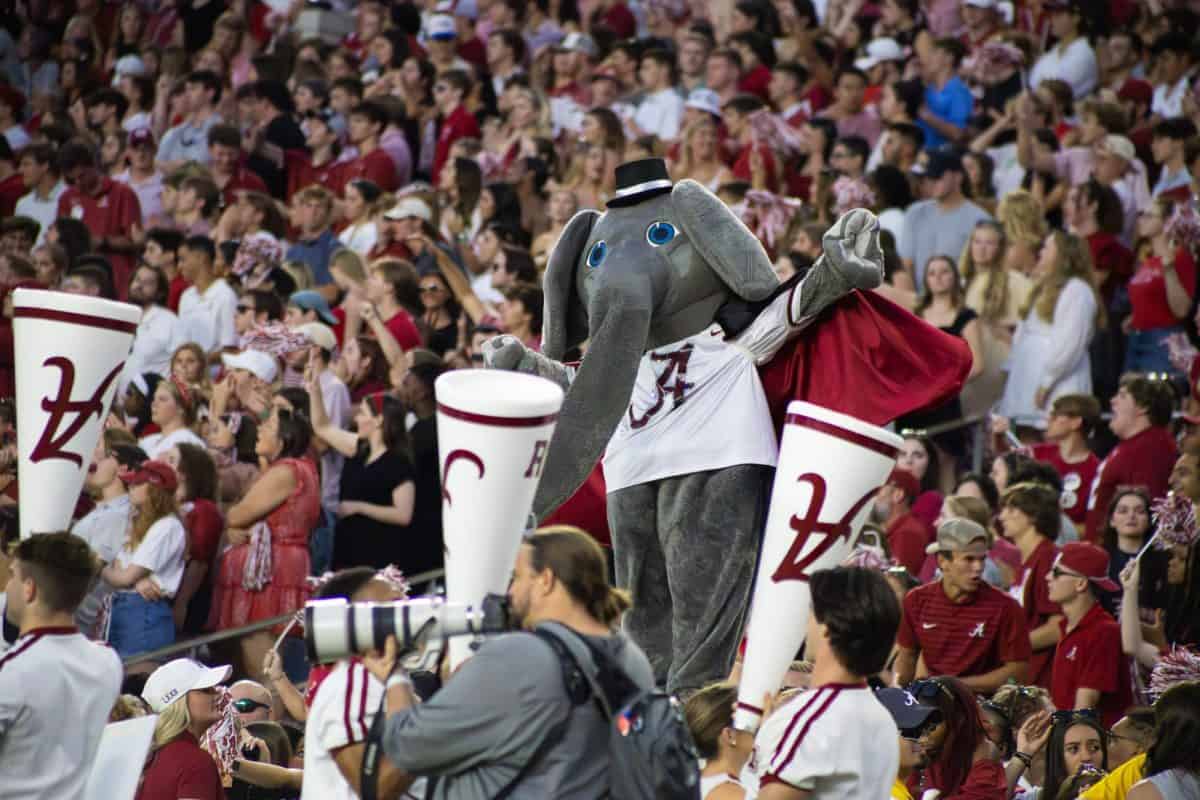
[(680, 308)]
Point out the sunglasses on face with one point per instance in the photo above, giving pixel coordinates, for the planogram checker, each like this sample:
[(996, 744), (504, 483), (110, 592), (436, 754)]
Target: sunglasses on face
[(248, 706), (430, 289), (929, 688), (1059, 572)]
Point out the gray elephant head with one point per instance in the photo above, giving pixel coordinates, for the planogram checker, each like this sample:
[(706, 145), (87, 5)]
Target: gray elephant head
[(651, 270)]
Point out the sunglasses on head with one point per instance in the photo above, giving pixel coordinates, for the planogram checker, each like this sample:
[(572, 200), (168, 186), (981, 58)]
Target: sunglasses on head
[(1070, 715), (248, 706), (929, 688)]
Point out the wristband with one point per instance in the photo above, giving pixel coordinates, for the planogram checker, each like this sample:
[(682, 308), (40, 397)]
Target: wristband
[(397, 679), (1024, 758)]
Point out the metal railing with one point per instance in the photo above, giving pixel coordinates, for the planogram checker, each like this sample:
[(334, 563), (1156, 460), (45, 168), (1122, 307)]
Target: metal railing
[(178, 648)]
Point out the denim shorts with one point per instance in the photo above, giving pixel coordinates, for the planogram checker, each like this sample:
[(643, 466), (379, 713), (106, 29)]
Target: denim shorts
[(138, 626)]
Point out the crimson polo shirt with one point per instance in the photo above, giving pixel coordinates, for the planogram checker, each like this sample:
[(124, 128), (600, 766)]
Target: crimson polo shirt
[(181, 769), (1038, 607), (1144, 459), (1089, 657), (963, 639), (458, 124), (376, 166)]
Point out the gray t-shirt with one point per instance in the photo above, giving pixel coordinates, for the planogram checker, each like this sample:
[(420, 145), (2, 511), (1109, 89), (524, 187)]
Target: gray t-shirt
[(478, 732), (929, 231), (1177, 784)]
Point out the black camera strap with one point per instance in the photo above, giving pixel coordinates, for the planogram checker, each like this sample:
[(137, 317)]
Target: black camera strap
[(373, 749)]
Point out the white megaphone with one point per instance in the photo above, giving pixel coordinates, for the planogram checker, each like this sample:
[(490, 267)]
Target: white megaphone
[(69, 353), (494, 429), (830, 467)]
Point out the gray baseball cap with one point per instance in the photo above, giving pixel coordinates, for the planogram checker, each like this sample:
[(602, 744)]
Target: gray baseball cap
[(960, 535)]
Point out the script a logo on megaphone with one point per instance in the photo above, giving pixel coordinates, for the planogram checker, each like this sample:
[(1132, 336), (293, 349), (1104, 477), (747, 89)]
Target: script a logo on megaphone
[(51, 443), (793, 567)]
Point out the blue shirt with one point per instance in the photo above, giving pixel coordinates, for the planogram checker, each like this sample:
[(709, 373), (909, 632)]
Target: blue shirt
[(952, 103), (316, 254)]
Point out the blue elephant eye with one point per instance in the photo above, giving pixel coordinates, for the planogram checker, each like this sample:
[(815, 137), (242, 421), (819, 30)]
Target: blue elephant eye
[(595, 256), (659, 233)]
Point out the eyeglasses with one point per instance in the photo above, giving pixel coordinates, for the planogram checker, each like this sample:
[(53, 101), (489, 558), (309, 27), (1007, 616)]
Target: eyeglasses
[(247, 706), (1068, 716), (441, 87), (430, 289), (1116, 737), (1059, 572)]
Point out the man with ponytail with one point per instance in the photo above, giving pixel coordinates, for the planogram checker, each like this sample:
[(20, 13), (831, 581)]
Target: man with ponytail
[(504, 724)]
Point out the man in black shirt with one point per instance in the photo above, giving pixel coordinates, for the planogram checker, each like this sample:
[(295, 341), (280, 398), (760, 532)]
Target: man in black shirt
[(273, 133)]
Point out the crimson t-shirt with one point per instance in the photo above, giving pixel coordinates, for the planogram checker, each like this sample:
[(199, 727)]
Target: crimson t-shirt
[(181, 769), (241, 180), (112, 211), (907, 537), (1038, 607), (1090, 657), (376, 166), (1144, 459), (458, 124), (405, 330), (1077, 479), (1148, 291), (963, 639)]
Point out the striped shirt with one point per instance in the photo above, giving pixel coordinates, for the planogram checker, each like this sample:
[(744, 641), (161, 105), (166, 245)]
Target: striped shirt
[(52, 675), (963, 639), (833, 741)]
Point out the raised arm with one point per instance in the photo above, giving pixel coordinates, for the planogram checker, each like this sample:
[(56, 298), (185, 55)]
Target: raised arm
[(342, 441), (268, 493)]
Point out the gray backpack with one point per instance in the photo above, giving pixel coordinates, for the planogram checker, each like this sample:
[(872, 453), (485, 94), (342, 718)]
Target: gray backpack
[(651, 752)]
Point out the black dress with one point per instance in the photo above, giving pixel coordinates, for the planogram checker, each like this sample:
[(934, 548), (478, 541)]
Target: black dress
[(360, 541), (955, 441), (426, 550)]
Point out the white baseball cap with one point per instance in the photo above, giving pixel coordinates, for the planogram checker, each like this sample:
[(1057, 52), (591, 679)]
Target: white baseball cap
[(319, 334), (879, 51), (128, 65), (1116, 145), (409, 207), (442, 28), (704, 100), (175, 679), (577, 43), (255, 362), (981, 3)]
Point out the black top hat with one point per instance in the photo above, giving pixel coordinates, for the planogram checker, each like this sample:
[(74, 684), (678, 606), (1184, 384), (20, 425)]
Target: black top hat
[(640, 180)]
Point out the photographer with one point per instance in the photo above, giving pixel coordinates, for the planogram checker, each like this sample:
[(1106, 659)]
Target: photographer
[(343, 708), (503, 724)]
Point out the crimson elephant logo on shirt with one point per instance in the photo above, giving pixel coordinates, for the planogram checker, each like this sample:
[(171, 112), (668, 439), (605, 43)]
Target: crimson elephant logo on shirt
[(51, 444), (793, 567), (453, 456)]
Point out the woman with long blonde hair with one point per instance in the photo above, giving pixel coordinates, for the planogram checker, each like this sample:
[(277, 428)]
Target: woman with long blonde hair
[(148, 570), (1059, 318), (700, 156), (1024, 224), (184, 694), (995, 293)]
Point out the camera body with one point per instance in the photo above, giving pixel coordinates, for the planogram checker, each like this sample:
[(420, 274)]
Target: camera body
[(337, 628)]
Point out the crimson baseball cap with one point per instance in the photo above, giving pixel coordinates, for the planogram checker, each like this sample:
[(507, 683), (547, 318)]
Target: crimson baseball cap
[(141, 137), (158, 473), (1087, 561)]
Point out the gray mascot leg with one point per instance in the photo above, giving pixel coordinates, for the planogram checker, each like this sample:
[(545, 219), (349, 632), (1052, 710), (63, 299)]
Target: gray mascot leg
[(686, 548)]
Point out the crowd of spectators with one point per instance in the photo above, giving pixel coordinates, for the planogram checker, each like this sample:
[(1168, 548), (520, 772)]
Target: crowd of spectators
[(321, 207)]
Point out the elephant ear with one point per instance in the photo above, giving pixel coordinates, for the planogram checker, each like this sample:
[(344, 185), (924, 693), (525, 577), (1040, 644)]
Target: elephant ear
[(733, 252), (565, 321)]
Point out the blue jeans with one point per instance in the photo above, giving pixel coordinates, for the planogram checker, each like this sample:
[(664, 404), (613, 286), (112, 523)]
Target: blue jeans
[(1146, 351), (320, 543), (139, 626)]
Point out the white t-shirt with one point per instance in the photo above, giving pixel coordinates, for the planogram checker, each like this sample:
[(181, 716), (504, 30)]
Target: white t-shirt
[(158, 443), (208, 318), (104, 529), (834, 741), (680, 389), (360, 238), (1076, 65), (159, 334), (161, 552), (341, 714), (660, 113), (8, 630), (44, 211), (56, 691)]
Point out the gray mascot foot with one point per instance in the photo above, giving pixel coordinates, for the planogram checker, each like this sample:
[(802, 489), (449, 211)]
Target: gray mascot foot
[(851, 260), (507, 352)]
